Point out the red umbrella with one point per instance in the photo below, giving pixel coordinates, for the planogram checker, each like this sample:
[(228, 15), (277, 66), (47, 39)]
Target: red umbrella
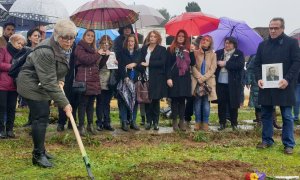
[(104, 14), (194, 23)]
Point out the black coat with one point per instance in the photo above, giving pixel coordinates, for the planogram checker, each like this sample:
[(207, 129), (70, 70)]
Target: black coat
[(181, 84), (125, 59), (280, 50), (157, 74), (234, 66)]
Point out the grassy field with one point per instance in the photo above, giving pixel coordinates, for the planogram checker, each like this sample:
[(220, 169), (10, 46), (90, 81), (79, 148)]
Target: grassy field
[(180, 155)]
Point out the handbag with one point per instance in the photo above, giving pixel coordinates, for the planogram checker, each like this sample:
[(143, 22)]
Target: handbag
[(79, 87), (202, 90), (142, 90)]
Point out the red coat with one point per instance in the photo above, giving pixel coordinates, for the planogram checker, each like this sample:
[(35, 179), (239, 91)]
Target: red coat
[(87, 68), (6, 82)]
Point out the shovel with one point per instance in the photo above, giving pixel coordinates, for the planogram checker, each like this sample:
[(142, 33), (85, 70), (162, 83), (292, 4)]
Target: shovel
[(80, 144)]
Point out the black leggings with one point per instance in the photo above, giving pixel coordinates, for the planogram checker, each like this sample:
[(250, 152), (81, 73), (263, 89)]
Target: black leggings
[(152, 111), (8, 101), (178, 107), (86, 105)]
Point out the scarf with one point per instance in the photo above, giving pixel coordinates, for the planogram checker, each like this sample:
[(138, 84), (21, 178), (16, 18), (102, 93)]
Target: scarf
[(12, 50), (182, 60)]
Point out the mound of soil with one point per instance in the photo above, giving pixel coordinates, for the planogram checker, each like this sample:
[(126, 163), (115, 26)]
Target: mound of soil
[(189, 169)]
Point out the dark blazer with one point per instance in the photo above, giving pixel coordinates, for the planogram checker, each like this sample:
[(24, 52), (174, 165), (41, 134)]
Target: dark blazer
[(234, 66), (87, 61), (275, 78), (283, 50), (157, 74), (125, 59)]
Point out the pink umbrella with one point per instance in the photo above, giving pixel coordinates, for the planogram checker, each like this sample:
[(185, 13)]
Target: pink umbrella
[(194, 23), (103, 14)]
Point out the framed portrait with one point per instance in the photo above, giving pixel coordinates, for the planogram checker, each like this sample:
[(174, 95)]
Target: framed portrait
[(111, 61), (272, 74)]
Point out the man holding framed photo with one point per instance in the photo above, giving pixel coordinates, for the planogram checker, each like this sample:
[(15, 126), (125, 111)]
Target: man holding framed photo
[(278, 48)]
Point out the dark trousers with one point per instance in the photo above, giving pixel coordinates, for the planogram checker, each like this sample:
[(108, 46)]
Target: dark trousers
[(152, 111), (74, 100), (40, 119), (8, 101), (189, 108), (103, 108), (86, 105), (223, 103), (178, 107)]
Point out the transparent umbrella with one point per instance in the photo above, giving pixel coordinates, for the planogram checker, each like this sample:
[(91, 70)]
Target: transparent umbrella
[(42, 11), (148, 16)]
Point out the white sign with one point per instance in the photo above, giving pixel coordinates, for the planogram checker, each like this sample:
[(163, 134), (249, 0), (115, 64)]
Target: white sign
[(272, 74), (111, 61)]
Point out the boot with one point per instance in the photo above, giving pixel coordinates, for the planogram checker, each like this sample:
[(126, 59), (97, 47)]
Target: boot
[(197, 126), (275, 121), (175, 125), (48, 156), (81, 131), (10, 134), (3, 135), (222, 127), (134, 126), (188, 124), (90, 129), (148, 126), (257, 118), (205, 127), (125, 126), (60, 128), (155, 127), (40, 159), (143, 121), (182, 125)]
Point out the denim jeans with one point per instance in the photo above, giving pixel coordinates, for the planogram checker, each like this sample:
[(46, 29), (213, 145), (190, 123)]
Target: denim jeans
[(201, 104), (8, 101), (124, 111), (297, 106), (287, 129)]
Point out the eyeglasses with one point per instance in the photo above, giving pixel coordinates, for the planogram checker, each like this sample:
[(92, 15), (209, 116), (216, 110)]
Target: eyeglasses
[(67, 38), (274, 28)]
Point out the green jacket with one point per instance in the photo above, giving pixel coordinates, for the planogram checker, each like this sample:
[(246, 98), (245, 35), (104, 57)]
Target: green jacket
[(43, 69)]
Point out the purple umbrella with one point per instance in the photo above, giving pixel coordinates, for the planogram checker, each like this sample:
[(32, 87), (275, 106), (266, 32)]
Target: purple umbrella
[(247, 39)]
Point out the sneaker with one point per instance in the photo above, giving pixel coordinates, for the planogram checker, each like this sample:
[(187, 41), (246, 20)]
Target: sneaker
[(263, 145), (288, 150), (155, 127)]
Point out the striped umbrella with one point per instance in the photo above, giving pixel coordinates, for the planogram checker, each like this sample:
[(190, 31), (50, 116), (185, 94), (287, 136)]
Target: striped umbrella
[(104, 14)]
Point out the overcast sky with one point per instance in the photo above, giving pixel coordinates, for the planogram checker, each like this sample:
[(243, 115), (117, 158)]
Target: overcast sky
[(254, 12)]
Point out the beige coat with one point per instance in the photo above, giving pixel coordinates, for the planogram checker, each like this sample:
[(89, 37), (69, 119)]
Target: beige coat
[(209, 76)]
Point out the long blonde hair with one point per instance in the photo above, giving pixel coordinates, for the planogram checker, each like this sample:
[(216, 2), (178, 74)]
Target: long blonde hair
[(105, 39), (94, 41)]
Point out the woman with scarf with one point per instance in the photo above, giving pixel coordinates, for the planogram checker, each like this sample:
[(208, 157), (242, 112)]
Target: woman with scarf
[(230, 63), (179, 60), (8, 93), (203, 72)]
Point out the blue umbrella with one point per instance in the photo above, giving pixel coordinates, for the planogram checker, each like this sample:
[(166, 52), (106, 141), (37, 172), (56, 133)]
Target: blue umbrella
[(99, 33), (247, 38)]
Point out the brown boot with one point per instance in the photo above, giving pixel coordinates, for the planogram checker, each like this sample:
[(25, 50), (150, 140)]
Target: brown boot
[(175, 125), (275, 121), (205, 127), (182, 125), (197, 126)]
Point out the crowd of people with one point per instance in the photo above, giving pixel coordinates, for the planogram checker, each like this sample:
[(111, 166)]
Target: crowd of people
[(191, 74)]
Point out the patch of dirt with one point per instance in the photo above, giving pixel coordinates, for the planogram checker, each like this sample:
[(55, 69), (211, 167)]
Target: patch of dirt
[(189, 169)]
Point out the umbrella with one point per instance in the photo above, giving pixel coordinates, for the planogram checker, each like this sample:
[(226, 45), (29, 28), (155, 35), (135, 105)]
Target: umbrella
[(148, 16), (104, 14), (41, 11), (247, 39), (7, 3), (113, 34), (194, 23), (296, 34), (3, 14), (128, 93)]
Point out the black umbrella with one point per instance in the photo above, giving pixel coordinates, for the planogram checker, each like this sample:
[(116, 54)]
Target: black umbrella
[(127, 92)]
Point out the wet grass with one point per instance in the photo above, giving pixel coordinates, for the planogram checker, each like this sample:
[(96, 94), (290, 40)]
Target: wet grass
[(128, 156)]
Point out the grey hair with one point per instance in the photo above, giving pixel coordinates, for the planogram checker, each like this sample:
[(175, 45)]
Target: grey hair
[(279, 19), (64, 27), (16, 37)]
